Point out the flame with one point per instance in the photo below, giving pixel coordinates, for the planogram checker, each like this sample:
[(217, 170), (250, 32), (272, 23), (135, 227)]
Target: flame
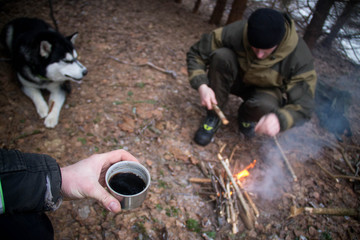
[(223, 194), (244, 173)]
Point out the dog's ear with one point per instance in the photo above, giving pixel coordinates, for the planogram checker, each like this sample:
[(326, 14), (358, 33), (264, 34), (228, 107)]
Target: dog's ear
[(45, 49), (73, 37)]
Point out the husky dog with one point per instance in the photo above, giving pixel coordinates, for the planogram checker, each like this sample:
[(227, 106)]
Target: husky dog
[(43, 59)]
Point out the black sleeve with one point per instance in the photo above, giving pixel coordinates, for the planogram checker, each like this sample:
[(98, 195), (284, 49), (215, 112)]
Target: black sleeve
[(29, 182)]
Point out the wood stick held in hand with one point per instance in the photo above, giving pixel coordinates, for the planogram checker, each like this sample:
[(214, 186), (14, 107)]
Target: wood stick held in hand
[(220, 114), (285, 159)]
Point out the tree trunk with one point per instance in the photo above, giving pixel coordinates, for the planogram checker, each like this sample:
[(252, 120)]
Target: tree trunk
[(314, 29), (237, 10), (345, 15), (197, 5), (218, 12)]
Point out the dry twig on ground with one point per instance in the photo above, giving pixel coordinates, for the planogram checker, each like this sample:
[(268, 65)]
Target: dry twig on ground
[(150, 64)]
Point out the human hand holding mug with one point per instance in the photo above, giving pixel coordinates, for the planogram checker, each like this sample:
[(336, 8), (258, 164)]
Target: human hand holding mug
[(86, 178)]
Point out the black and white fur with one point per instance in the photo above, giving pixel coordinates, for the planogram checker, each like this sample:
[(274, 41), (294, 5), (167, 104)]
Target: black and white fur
[(43, 59)]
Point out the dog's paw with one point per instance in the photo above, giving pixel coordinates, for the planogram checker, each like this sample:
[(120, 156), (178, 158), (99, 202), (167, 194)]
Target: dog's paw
[(43, 110), (51, 121)]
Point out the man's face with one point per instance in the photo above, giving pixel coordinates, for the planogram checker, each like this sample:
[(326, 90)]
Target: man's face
[(263, 53)]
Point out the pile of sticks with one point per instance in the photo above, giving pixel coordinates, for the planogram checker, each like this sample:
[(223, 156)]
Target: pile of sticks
[(232, 201)]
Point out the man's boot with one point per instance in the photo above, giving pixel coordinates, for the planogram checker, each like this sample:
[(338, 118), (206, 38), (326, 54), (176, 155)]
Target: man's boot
[(207, 130)]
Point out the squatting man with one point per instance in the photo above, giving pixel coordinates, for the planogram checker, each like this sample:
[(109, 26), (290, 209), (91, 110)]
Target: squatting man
[(262, 60)]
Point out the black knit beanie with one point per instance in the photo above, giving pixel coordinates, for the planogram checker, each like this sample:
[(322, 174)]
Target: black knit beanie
[(266, 28)]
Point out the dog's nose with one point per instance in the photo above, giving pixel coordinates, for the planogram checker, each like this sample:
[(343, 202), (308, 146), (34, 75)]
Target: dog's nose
[(84, 72)]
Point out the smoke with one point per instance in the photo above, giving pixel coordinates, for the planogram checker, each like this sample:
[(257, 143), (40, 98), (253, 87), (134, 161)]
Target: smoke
[(269, 187), (332, 105), (271, 178)]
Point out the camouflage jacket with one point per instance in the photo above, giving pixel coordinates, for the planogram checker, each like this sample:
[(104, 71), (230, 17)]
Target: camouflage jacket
[(290, 68)]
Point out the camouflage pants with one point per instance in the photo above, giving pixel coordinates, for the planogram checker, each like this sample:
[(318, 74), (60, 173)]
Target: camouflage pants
[(225, 78)]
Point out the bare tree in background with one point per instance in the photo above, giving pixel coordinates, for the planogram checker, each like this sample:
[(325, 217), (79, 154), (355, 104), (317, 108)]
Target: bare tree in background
[(218, 12), (196, 6), (351, 7), (237, 10), (322, 15), (314, 29)]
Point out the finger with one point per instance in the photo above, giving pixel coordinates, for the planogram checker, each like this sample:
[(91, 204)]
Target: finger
[(209, 105), (119, 155), (106, 199), (213, 99), (259, 125)]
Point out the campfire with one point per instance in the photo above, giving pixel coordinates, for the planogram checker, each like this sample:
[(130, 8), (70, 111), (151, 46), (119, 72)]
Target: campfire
[(232, 200)]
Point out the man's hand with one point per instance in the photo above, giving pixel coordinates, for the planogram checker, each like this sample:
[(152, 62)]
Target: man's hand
[(86, 178), (268, 124), (207, 96)]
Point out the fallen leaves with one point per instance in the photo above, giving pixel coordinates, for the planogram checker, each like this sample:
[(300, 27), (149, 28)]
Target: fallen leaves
[(128, 124)]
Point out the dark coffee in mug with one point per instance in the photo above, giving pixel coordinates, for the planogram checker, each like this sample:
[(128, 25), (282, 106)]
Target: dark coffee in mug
[(127, 183)]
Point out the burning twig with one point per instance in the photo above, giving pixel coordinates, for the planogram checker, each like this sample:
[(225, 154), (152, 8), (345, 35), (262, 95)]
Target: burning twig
[(170, 72), (247, 196), (225, 195), (247, 218), (233, 216), (219, 196), (227, 203), (285, 159), (220, 114)]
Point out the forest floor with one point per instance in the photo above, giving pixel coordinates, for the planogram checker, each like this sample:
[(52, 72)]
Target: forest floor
[(154, 115)]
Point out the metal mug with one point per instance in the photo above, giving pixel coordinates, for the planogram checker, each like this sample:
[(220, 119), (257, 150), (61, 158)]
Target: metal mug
[(129, 201)]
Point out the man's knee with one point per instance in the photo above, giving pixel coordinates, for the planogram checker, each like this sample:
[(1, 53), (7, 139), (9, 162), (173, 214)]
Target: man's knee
[(259, 105), (223, 55)]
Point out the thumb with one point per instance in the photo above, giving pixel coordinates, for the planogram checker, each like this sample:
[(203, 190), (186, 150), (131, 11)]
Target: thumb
[(107, 200), (258, 125)]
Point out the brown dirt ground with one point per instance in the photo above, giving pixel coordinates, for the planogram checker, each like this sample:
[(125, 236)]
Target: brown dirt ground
[(154, 116)]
